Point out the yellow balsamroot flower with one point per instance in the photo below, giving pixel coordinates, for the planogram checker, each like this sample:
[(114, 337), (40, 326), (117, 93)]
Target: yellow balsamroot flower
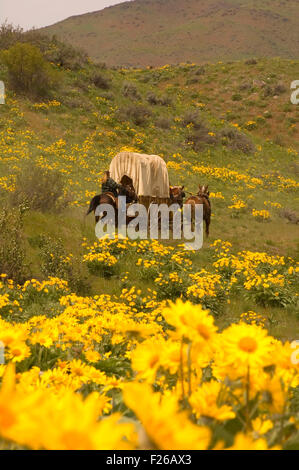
[(205, 284), (190, 321), (17, 352), (43, 420), (245, 442), (243, 346), (217, 195), (105, 258), (146, 358), (11, 334), (13, 337), (251, 317), (4, 300), (81, 370), (165, 426), (275, 393), (261, 426), (78, 428), (92, 356), (43, 338), (286, 364), (277, 205), (173, 356), (237, 203), (261, 215), (210, 400)]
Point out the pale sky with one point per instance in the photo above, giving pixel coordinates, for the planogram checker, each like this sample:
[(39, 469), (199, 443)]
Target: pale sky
[(37, 13)]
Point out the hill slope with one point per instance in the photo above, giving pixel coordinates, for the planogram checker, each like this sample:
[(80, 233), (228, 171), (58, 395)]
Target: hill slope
[(240, 141), (155, 32)]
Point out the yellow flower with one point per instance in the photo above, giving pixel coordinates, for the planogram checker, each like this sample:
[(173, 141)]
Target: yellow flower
[(261, 426), (18, 351), (146, 358), (191, 321), (244, 442), (242, 348), (209, 400), (166, 427), (92, 356)]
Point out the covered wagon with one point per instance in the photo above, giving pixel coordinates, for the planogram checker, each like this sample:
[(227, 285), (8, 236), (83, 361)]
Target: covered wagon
[(147, 174)]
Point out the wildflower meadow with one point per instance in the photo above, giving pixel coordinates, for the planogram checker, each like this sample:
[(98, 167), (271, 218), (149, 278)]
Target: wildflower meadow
[(120, 344)]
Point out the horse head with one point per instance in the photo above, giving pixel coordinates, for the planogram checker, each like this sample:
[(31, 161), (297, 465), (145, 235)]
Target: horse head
[(177, 194), (203, 191)]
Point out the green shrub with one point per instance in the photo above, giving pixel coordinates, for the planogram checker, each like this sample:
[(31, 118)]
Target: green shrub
[(152, 98), (28, 71), (164, 122), (100, 81), (237, 141), (163, 100), (53, 50), (78, 101), (107, 95), (12, 245), (237, 97), (268, 91), (192, 117), (192, 81), (61, 54), (290, 215), (200, 70), (55, 262), (39, 189), (138, 114), (251, 62), (129, 90), (279, 89), (9, 34), (245, 86), (201, 137)]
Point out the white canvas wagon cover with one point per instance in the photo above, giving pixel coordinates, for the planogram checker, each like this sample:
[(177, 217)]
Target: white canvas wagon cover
[(148, 172)]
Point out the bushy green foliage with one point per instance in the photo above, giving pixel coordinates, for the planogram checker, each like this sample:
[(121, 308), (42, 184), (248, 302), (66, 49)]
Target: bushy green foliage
[(53, 50), (237, 141), (9, 35), (12, 244), (39, 189), (55, 262), (164, 122), (138, 114), (129, 90), (28, 71), (163, 100), (100, 81)]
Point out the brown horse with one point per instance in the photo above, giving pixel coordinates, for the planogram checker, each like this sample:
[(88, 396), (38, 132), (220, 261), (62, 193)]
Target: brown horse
[(105, 198), (202, 197), (110, 199)]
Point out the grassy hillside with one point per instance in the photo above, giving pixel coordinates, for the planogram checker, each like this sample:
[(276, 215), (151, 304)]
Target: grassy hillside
[(155, 32), (246, 149)]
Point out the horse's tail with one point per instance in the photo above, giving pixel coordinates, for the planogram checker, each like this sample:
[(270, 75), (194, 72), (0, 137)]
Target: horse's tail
[(93, 204)]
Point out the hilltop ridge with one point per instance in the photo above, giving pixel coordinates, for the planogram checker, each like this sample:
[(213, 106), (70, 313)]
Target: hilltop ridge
[(155, 32)]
